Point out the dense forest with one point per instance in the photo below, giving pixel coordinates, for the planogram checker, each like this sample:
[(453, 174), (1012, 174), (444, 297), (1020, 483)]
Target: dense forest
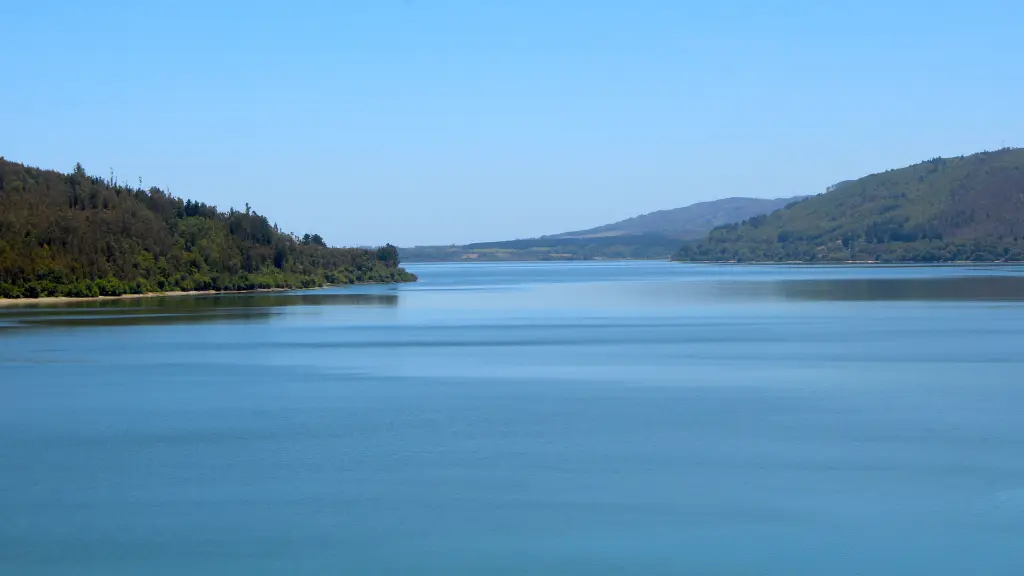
[(969, 208), (78, 235), (653, 236)]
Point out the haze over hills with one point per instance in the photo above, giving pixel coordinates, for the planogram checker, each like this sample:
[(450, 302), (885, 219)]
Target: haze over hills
[(968, 208), (688, 222), (648, 236)]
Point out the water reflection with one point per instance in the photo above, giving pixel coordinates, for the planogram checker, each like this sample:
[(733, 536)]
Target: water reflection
[(948, 289), (680, 292), (178, 309), (977, 288)]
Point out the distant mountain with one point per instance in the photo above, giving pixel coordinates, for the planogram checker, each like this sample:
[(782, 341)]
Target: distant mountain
[(969, 208), (688, 222), (650, 236)]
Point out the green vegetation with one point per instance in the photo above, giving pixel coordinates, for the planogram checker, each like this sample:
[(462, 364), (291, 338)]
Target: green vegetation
[(80, 236), (653, 236), (969, 208)]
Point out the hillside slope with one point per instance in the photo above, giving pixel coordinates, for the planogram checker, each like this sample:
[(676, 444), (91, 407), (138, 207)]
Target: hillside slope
[(78, 235), (651, 236), (944, 209), (693, 221)]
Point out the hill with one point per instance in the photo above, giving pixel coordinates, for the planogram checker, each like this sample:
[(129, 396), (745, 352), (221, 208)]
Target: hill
[(688, 222), (79, 235), (639, 247), (969, 208), (650, 236)]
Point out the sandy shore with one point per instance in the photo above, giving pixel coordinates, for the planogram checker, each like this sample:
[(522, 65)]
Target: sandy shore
[(64, 300)]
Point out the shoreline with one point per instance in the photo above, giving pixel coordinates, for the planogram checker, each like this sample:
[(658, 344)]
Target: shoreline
[(746, 263), (171, 294)]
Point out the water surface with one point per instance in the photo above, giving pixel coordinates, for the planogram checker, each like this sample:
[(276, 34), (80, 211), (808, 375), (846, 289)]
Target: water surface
[(524, 418)]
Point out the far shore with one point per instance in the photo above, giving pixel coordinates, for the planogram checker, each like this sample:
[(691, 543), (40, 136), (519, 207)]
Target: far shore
[(744, 263)]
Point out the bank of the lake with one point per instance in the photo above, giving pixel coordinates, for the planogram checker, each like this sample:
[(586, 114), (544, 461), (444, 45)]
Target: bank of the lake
[(55, 300)]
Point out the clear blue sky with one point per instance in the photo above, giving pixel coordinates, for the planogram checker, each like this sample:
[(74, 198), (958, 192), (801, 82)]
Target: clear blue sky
[(444, 121)]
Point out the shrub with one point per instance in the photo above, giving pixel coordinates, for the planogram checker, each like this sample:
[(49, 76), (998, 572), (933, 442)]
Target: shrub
[(9, 291), (110, 286)]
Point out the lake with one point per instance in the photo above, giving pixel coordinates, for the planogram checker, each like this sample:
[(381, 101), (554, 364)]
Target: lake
[(525, 418)]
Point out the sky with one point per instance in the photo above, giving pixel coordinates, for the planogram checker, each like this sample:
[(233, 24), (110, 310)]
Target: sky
[(446, 121)]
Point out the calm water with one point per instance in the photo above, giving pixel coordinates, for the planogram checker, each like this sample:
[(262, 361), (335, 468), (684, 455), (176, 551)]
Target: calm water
[(593, 418)]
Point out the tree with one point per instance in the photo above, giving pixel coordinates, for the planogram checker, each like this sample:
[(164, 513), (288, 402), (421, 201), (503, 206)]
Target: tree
[(388, 254), (313, 240)]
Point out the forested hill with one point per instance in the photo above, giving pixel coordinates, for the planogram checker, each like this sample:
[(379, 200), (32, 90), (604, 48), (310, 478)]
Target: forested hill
[(969, 208), (689, 222), (78, 235)]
